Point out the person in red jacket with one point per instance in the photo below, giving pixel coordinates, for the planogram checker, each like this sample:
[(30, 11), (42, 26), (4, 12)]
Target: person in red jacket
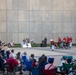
[(59, 41), (52, 44), (70, 39), (70, 42), (64, 39), (12, 63)]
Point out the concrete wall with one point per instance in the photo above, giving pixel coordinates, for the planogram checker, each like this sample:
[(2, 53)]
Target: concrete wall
[(36, 19)]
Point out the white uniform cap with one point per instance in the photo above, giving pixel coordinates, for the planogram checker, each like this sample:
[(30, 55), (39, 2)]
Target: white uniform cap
[(51, 39)]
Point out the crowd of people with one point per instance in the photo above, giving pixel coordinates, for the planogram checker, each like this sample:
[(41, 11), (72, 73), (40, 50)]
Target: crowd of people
[(29, 62), (26, 43), (65, 42), (4, 45)]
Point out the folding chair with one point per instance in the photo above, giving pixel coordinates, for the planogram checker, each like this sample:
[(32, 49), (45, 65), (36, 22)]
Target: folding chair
[(11, 69), (67, 68), (36, 71), (49, 72), (12, 64)]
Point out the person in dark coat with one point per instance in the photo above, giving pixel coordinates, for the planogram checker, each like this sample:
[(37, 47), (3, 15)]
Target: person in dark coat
[(45, 41), (1, 62)]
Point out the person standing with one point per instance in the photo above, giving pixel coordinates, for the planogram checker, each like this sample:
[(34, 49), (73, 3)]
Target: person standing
[(45, 41), (65, 39), (59, 41), (52, 44), (70, 42)]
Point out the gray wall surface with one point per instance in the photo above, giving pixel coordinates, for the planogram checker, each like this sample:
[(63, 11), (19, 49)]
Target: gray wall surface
[(36, 19)]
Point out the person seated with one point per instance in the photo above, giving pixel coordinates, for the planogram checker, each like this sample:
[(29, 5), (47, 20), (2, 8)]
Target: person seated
[(3, 53), (7, 53), (45, 40), (61, 44), (12, 54), (18, 56), (34, 62), (31, 57), (27, 63), (68, 67), (4, 46), (24, 44), (12, 43), (63, 60), (50, 68), (0, 45), (2, 61), (50, 64), (43, 44), (24, 58), (12, 63), (29, 44), (42, 62), (69, 61)]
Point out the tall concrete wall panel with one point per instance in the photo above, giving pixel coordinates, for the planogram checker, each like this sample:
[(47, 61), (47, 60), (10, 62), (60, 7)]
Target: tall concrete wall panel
[(36, 19)]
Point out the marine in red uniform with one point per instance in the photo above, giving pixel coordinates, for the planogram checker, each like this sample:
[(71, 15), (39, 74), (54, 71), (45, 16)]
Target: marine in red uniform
[(59, 39), (70, 39), (70, 43), (64, 39), (52, 43)]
